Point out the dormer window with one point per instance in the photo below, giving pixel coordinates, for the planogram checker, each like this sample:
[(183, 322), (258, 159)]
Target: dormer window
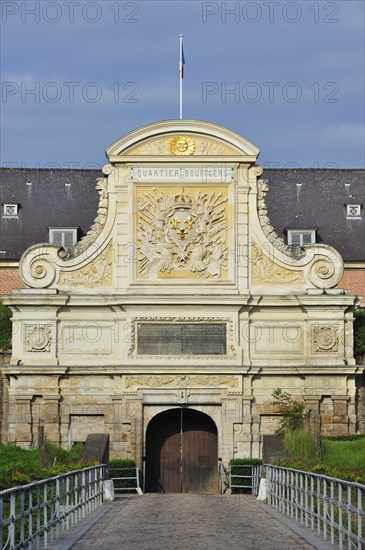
[(63, 236), (301, 237), (11, 210), (353, 210)]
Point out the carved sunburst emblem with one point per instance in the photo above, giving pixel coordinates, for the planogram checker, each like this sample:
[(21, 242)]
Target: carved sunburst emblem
[(182, 145)]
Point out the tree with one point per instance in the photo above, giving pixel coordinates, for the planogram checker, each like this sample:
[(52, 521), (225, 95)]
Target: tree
[(292, 411), (5, 327), (359, 333)]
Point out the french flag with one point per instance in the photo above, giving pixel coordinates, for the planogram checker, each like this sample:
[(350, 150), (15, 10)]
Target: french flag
[(182, 60)]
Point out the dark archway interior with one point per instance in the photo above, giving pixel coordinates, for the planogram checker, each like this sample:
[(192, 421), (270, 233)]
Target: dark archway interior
[(181, 453)]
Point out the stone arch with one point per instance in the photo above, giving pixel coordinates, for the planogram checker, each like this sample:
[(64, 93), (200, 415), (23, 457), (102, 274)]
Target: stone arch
[(181, 452)]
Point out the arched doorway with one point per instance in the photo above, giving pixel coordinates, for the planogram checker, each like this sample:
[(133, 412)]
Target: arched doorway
[(181, 453)]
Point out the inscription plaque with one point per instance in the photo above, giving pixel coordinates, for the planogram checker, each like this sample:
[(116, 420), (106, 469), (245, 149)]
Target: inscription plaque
[(96, 448), (181, 339)]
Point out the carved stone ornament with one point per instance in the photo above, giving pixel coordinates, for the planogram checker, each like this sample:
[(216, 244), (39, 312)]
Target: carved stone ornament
[(292, 251), (182, 233), (326, 271), (38, 338), (96, 227), (156, 380), (98, 271), (231, 348), (182, 145), (325, 339), (203, 147), (41, 272), (265, 271)]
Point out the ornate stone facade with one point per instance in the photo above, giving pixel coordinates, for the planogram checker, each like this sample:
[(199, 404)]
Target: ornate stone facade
[(181, 242)]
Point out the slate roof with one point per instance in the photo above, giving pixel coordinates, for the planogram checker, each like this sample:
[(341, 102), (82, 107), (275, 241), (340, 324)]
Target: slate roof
[(297, 199), (317, 198), (55, 198)]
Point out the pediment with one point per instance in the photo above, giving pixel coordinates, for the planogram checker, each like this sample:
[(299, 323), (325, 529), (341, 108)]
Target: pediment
[(198, 139), (165, 147)]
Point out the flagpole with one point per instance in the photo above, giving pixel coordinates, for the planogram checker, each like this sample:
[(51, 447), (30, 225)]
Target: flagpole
[(181, 75)]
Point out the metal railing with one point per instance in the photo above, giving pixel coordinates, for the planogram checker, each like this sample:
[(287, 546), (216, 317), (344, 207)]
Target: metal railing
[(223, 478), (250, 478), (334, 507), (130, 482), (36, 514)]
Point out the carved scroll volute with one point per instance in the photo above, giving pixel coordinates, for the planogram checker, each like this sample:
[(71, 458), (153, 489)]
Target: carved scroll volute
[(37, 268), (326, 268), (258, 170), (107, 169)]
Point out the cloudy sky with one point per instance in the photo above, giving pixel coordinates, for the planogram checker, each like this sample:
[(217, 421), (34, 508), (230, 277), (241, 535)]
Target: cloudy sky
[(77, 75)]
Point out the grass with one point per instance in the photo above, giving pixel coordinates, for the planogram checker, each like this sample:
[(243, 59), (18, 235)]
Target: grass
[(342, 457), (344, 454)]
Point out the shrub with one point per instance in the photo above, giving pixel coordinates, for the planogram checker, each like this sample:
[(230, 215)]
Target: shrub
[(356, 475), (19, 466), (123, 468), (58, 455), (242, 467), (55, 454), (74, 453)]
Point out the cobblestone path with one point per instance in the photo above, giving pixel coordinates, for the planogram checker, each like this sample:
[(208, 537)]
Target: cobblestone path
[(189, 522)]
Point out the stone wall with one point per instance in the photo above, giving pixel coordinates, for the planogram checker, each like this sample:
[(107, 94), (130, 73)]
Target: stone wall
[(77, 403), (360, 383)]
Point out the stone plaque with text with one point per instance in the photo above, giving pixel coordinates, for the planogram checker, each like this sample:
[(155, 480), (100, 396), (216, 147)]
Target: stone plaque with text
[(181, 339)]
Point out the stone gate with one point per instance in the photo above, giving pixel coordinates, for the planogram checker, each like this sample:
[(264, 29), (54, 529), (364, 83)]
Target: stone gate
[(181, 295)]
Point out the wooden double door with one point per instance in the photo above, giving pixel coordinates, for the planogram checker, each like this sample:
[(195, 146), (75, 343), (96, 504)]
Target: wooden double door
[(181, 453)]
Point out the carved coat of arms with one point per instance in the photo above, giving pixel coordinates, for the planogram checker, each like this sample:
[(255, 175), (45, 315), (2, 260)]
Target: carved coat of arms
[(182, 232)]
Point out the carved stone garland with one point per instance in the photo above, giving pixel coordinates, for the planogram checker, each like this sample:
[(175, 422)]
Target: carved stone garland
[(293, 251), (155, 380), (96, 227)]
